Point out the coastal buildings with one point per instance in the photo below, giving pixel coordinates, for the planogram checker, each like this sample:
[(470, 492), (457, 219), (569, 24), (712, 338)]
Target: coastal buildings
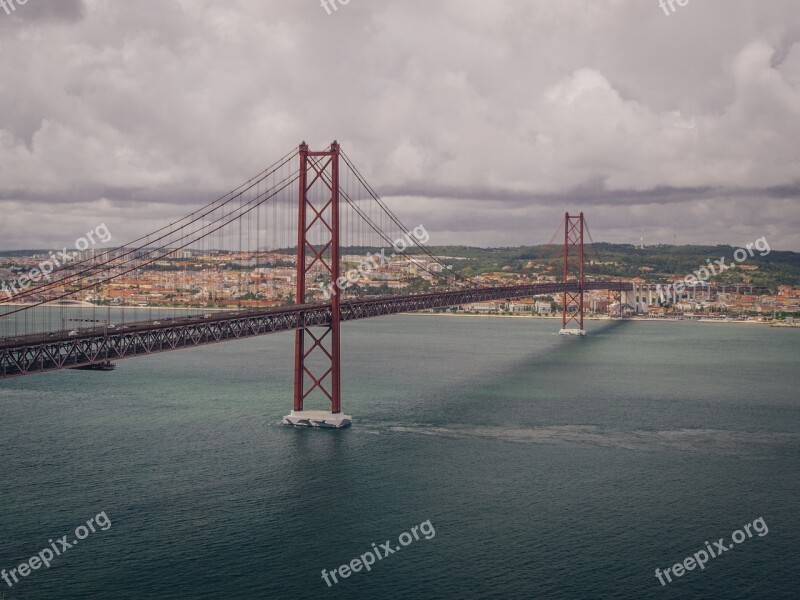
[(226, 279)]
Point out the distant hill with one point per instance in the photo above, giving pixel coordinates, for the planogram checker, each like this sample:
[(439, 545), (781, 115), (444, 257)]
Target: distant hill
[(625, 260), (615, 260)]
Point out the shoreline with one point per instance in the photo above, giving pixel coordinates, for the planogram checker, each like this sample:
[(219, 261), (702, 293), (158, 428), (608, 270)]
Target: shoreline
[(434, 314), (638, 319), (106, 307), (430, 314)]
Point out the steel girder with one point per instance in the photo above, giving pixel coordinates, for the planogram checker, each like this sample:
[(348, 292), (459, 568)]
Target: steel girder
[(39, 353)]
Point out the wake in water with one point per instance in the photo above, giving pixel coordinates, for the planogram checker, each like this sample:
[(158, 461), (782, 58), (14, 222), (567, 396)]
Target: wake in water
[(716, 441)]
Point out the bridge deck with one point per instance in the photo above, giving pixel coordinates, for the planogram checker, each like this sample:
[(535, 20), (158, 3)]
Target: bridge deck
[(40, 353)]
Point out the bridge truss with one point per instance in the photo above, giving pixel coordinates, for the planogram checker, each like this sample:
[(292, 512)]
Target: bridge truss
[(313, 211)]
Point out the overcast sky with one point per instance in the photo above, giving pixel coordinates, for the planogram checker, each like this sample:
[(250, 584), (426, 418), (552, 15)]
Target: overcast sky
[(485, 120)]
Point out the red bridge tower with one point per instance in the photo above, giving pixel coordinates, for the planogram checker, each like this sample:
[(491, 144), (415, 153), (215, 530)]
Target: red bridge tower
[(317, 366), (572, 300)]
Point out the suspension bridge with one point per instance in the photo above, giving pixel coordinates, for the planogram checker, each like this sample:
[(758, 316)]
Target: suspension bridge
[(313, 204)]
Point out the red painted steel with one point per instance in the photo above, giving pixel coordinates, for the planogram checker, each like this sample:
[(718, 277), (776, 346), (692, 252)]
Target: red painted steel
[(573, 267), (40, 353), (325, 220)]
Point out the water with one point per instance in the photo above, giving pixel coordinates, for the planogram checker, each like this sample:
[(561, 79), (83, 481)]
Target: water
[(45, 319), (548, 467)]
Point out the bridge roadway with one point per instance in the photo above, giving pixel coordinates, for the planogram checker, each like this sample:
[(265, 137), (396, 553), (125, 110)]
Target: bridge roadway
[(27, 355)]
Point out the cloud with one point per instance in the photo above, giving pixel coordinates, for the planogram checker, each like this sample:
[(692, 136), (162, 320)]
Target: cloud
[(483, 120)]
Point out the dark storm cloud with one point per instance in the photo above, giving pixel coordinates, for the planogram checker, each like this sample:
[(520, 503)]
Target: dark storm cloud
[(484, 120), (586, 194), (590, 195)]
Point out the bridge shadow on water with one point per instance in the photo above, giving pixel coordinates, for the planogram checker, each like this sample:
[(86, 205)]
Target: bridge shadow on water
[(502, 380)]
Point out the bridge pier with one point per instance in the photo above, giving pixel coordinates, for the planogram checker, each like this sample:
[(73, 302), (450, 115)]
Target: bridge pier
[(105, 365), (629, 298), (317, 418)]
